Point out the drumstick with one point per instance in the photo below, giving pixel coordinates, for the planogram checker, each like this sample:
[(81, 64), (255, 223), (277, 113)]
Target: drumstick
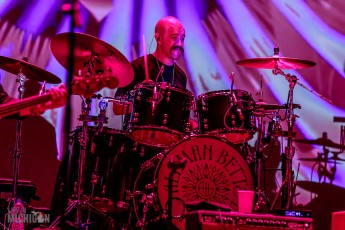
[(147, 79)]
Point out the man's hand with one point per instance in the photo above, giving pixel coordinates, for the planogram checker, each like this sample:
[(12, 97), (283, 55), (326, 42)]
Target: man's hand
[(58, 99)]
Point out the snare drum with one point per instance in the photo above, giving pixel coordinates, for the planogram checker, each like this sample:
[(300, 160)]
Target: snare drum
[(219, 113), (214, 172), (160, 113)]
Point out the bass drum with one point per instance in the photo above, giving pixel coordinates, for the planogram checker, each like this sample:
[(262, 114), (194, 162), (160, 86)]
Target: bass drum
[(215, 170)]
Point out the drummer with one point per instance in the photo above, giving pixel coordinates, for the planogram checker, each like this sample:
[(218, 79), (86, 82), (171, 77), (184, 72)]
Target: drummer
[(169, 35)]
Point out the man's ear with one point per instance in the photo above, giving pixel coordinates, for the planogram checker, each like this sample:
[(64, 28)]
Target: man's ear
[(158, 38)]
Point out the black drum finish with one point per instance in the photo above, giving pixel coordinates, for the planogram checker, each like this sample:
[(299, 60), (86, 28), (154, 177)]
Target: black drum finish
[(227, 114), (160, 114), (112, 162)]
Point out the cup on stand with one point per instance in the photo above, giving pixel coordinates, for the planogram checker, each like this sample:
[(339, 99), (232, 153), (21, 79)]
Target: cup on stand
[(245, 201)]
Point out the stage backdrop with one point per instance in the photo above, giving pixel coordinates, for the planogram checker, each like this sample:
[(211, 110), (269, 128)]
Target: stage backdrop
[(218, 33)]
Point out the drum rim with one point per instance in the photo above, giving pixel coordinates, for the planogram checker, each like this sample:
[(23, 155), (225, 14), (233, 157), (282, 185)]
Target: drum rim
[(235, 130), (171, 86), (221, 93), (159, 128)]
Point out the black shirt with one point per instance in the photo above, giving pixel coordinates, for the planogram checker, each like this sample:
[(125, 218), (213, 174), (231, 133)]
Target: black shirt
[(172, 74)]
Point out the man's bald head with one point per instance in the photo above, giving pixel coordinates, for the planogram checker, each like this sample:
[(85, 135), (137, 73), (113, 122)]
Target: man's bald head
[(165, 23), (169, 35)]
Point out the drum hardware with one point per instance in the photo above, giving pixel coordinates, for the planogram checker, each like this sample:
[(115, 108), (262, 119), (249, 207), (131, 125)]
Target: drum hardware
[(277, 63), (79, 185), (323, 159), (23, 70), (147, 200), (155, 96)]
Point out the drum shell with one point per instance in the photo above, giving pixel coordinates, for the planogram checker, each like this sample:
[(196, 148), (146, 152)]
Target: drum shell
[(168, 122), (218, 115), (113, 158)]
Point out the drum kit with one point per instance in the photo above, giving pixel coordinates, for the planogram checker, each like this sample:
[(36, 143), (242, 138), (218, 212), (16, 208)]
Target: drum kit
[(145, 174)]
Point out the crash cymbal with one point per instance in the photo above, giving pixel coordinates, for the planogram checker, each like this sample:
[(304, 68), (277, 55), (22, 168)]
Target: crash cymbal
[(320, 141), (276, 61), (30, 71), (96, 63)]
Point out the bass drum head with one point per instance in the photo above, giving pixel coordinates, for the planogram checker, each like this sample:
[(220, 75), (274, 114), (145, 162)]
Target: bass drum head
[(214, 172)]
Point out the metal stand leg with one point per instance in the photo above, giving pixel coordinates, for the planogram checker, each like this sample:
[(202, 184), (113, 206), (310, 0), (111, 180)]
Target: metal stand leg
[(83, 140)]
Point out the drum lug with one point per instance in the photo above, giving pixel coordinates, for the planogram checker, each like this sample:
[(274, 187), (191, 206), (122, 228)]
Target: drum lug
[(138, 96), (135, 147), (136, 117), (149, 186), (168, 96), (205, 123), (165, 119), (233, 120), (188, 127)]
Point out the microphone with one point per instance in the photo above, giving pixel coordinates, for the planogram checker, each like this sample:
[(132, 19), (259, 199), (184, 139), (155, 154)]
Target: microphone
[(239, 106)]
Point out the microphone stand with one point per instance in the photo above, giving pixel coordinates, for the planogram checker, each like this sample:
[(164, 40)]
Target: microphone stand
[(173, 166)]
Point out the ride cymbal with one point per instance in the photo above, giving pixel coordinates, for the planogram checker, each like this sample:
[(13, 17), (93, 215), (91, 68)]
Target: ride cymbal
[(276, 62), (30, 71), (96, 63)]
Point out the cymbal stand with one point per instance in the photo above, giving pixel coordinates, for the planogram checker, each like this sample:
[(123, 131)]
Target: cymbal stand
[(101, 119), (17, 148), (83, 137), (288, 175)]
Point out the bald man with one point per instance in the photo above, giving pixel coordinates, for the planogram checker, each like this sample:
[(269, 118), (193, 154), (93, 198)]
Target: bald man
[(169, 35)]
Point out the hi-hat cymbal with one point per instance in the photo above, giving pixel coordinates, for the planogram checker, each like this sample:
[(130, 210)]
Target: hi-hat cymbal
[(265, 106), (30, 71), (276, 61), (320, 141), (328, 160), (92, 54)]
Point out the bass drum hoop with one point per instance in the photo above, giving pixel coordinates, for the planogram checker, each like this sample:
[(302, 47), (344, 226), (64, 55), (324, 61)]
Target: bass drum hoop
[(159, 158)]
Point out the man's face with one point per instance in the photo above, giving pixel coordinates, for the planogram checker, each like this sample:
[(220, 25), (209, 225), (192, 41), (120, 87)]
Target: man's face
[(173, 41)]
